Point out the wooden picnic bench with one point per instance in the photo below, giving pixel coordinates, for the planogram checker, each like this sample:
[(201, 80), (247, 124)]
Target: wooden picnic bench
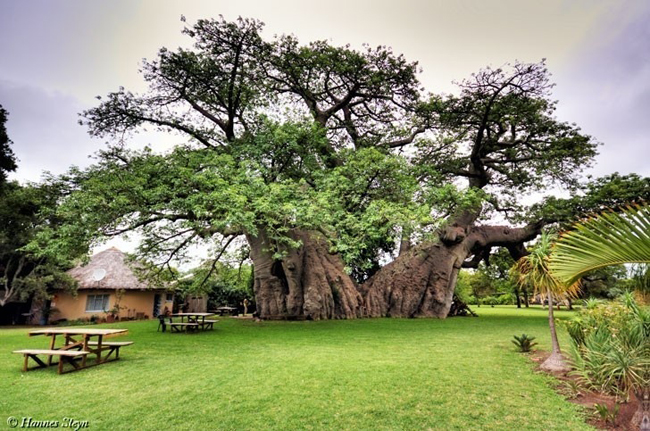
[(67, 356), (195, 322), (184, 326), (77, 346), (208, 324), (111, 346)]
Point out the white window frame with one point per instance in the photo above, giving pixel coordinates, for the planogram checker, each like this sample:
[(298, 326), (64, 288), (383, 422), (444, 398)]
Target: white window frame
[(105, 302)]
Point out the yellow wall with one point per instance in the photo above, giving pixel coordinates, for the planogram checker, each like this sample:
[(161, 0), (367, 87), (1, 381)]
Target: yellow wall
[(132, 302)]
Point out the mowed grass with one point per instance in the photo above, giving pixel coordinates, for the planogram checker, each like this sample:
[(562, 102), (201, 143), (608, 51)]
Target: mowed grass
[(459, 373)]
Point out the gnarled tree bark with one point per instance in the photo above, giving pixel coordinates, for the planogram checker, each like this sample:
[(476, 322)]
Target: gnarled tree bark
[(307, 283), (421, 282)]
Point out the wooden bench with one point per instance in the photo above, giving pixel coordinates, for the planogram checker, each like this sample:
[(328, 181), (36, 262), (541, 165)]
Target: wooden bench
[(68, 356), (179, 327), (208, 324), (112, 346)]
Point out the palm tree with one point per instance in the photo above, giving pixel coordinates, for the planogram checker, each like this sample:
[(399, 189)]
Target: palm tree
[(611, 238), (533, 270)]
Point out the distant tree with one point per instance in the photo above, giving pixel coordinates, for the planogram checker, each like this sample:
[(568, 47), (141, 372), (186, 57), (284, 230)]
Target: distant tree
[(7, 157), (223, 283), (607, 282), (24, 211)]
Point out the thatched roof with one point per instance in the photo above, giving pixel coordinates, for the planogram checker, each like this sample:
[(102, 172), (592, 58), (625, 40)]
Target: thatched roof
[(111, 263)]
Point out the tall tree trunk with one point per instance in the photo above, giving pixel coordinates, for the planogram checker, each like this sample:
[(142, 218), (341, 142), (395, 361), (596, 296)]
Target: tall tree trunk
[(556, 361), (518, 298), (308, 283), (526, 302)]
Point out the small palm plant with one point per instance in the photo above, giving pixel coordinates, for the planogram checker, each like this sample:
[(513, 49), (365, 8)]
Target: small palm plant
[(524, 343), (533, 270)]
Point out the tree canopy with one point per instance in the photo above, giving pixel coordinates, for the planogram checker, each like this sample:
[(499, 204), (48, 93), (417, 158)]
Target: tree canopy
[(7, 157), (312, 149), (24, 211)]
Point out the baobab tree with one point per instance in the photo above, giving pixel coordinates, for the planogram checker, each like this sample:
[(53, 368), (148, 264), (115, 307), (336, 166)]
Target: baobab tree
[(321, 158)]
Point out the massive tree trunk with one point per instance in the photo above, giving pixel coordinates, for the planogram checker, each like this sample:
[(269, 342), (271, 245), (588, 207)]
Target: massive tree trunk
[(308, 283), (421, 282)]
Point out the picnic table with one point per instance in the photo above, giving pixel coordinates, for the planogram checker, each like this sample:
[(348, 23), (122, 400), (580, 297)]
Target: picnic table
[(77, 344), (225, 310), (195, 322)]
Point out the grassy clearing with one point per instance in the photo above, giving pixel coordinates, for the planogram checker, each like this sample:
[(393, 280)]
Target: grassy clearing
[(460, 373)]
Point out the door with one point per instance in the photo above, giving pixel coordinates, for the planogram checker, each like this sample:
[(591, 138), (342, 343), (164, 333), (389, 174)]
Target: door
[(156, 305)]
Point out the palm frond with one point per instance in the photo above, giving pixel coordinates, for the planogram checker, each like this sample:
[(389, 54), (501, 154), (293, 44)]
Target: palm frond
[(611, 238), (533, 271)]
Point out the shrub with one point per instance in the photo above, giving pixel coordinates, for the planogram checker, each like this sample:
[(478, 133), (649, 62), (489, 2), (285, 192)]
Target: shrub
[(489, 300), (506, 299), (610, 340)]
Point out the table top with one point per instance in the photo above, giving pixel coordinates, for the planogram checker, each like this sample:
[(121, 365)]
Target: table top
[(192, 314), (226, 308), (78, 331)]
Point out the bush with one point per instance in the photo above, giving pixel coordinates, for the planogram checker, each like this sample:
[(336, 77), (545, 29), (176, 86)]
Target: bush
[(489, 300), (610, 342), (506, 299)]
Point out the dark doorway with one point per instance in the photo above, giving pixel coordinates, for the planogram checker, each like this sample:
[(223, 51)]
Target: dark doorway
[(156, 305)]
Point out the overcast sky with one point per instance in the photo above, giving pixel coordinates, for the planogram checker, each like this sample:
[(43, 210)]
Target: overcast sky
[(57, 55)]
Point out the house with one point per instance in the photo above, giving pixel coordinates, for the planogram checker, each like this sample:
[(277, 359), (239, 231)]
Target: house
[(108, 288)]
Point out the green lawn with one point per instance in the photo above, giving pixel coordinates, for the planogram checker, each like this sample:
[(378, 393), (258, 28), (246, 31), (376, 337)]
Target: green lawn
[(460, 373)]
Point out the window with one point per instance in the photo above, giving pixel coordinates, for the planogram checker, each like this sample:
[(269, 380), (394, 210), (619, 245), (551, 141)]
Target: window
[(170, 297), (97, 303)]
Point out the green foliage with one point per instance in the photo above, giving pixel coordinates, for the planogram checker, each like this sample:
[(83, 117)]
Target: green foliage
[(25, 212), (464, 289), (604, 413), (363, 203), (7, 157), (489, 284), (640, 280), (571, 389), (533, 271), (489, 300), (594, 196), (610, 346), (524, 343), (224, 285), (285, 136), (611, 238), (607, 282), (502, 136)]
